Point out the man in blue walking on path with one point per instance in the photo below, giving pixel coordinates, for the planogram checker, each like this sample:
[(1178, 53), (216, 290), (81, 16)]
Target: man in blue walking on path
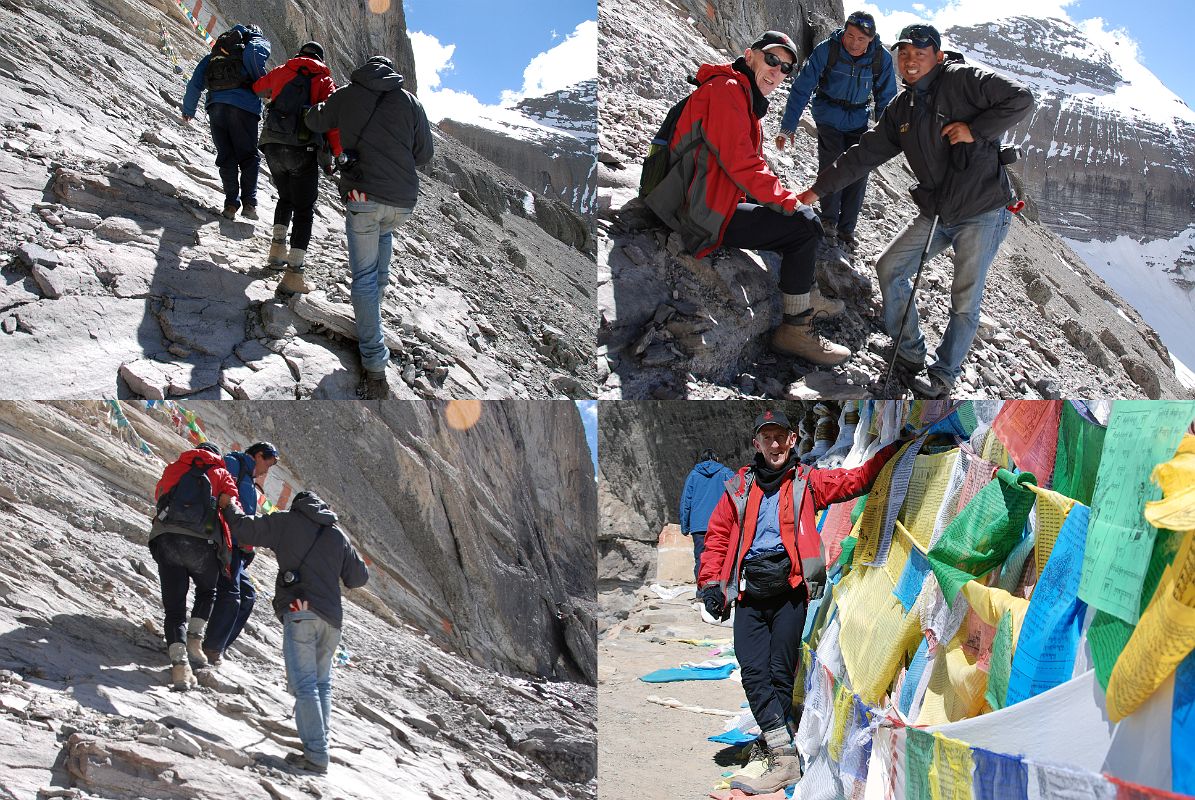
[(844, 74), (238, 58), (235, 593), (703, 489)]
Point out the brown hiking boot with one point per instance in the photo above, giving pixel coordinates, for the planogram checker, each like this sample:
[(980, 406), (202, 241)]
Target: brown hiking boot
[(277, 257), (784, 769), (293, 283), (229, 212), (249, 212), (214, 657), (824, 306), (181, 677), (796, 337)]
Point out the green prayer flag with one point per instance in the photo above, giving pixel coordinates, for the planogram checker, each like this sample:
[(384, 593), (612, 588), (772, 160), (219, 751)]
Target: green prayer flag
[(1000, 665), (919, 757), (1077, 459)]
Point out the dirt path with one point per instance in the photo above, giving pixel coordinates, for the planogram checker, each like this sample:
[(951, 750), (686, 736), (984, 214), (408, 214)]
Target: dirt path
[(648, 751)]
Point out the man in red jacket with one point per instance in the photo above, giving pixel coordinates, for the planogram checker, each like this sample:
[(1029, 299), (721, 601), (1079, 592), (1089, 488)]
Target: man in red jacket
[(720, 191), (763, 553), (291, 150), (189, 542)]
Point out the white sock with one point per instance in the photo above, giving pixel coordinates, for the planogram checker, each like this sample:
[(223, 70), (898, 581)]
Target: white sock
[(795, 304)]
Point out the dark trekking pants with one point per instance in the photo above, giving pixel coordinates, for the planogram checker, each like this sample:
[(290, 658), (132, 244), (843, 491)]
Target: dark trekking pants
[(235, 597), (840, 208), (234, 131), (767, 642), (795, 238), (182, 559), (296, 176), (698, 549)]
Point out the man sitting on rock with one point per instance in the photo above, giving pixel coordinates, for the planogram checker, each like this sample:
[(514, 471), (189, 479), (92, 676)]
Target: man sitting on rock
[(720, 190), (314, 557), (948, 121)]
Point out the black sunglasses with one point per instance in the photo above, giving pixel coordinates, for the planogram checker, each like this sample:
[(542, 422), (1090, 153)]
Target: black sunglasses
[(773, 60), (919, 36), (864, 22)]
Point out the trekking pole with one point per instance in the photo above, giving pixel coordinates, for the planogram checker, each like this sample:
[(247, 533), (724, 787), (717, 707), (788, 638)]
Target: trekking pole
[(904, 318)]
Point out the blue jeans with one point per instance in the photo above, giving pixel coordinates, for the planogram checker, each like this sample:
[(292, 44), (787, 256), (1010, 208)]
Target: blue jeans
[(234, 132), (308, 644), (235, 597), (369, 226), (975, 241)]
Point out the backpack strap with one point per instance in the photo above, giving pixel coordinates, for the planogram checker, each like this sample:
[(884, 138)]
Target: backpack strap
[(318, 533), (831, 60)]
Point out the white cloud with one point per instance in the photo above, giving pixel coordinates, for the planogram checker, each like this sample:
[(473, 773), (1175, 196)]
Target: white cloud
[(572, 61)]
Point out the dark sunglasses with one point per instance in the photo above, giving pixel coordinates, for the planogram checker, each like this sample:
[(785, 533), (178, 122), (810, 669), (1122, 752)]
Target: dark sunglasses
[(863, 22), (919, 36), (773, 60)]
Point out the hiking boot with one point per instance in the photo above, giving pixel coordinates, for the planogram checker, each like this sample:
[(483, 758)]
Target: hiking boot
[(293, 283), (214, 657), (374, 385), (796, 337), (931, 386), (181, 677), (249, 212), (277, 257), (784, 769), (300, 761), (195, 628), (229, 212), (847, 241), (824, 306), (909, 368)]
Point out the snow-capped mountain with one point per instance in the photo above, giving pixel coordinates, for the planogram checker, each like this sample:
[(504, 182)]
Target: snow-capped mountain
[(1109, 159), (547, 142)]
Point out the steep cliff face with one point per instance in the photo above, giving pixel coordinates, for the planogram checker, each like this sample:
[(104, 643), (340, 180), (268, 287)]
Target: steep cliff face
[(553, 152), (1097, 167), (121, 279), (484, 534), (429, 698), (732, 25)]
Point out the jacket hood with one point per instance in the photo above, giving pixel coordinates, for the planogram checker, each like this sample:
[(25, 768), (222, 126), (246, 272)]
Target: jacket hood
[(710, 468), (314, 66), (314, 509), (206, 456), (377, 77)]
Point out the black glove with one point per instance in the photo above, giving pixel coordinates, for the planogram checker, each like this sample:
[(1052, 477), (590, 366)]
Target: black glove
[(711, 596)]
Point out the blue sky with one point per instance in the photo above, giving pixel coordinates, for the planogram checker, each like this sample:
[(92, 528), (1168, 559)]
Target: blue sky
[(589, 413), (1161, 28), (492, 53)]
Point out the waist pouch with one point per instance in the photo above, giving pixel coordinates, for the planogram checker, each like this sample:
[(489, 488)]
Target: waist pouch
[(767, 575)]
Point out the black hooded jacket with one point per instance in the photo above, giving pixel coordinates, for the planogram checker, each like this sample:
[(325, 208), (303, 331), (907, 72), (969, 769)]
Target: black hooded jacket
[(956, 181), (391, 141)]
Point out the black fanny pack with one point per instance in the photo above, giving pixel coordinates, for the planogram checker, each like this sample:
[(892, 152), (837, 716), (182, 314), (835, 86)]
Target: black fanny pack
[(767, 575)]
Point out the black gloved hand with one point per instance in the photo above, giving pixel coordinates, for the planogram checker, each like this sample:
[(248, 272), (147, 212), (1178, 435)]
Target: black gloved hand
[(711, 596)]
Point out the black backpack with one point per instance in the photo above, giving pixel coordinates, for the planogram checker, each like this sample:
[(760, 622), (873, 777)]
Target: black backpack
[(832, 59), (226, 69), (189, 504), (285, 116), (659, 158)]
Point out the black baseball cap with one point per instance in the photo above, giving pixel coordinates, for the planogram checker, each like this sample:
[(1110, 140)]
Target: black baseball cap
[(208, 446), (919, 35), (312, 49), (770, 417), (773, 39)]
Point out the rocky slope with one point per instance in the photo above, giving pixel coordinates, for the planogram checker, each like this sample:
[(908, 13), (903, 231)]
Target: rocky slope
[(671, 326), (552, 151), (119, 279), (84, 704)]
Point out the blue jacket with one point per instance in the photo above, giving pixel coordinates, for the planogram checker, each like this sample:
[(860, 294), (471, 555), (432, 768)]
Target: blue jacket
[(240, 467), (703, 488), (850, 80), (257, 52)]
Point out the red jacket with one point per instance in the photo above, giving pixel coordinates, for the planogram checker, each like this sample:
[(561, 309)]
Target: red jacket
[(322, 86), (217, 474), (718, 151), (725, 537)]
